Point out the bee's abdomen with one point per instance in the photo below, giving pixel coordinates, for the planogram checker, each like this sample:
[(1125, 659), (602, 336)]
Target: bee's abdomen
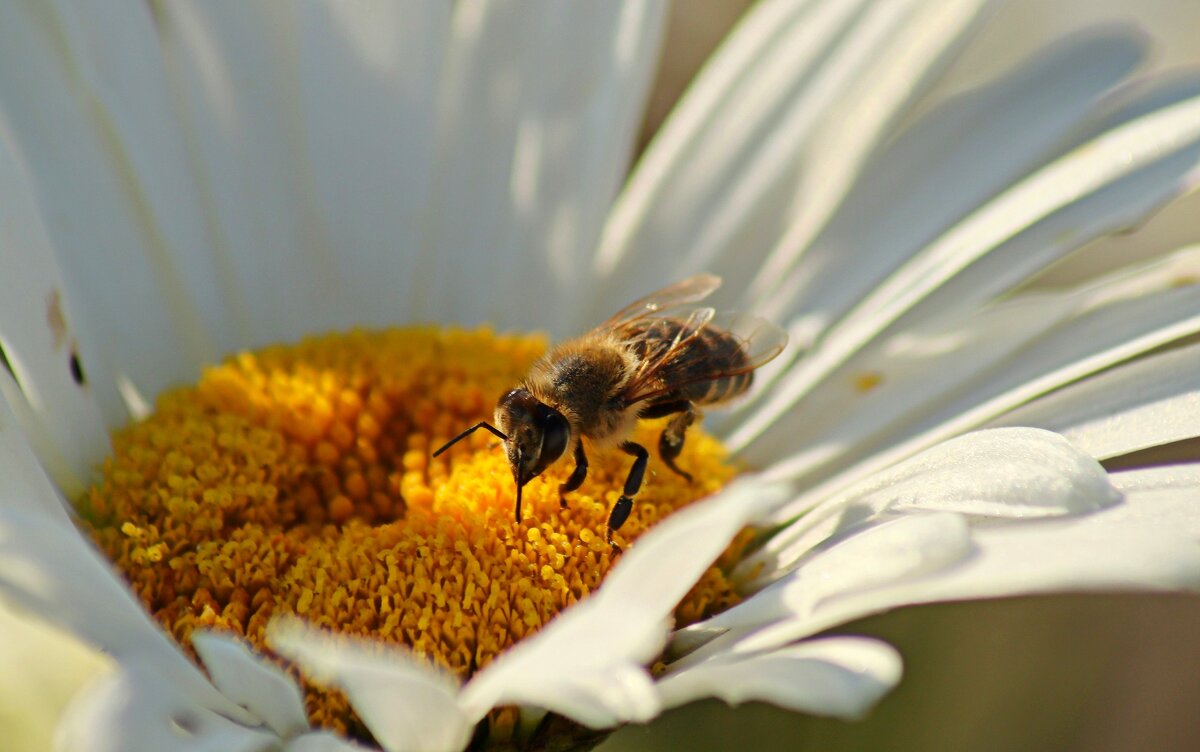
[(711, 368)]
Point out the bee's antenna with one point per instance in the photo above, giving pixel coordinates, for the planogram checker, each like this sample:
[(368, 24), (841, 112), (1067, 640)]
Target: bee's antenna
[(520, 485), (468, 432)]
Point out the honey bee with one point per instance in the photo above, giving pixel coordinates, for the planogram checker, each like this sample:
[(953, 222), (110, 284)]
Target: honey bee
[(653, 359)]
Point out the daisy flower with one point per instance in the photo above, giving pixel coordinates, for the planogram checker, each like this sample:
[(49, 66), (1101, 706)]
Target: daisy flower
[(239, 240)]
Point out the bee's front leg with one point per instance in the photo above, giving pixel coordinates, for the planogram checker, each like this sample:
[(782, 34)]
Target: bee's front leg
[(620, 511), (577, 475)]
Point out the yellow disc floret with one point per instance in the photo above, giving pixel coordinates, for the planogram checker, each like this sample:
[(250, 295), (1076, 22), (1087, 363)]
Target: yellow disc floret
[(298, 480)]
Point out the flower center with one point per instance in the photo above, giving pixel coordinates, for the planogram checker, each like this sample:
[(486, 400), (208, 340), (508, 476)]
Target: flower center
[(298, 480)]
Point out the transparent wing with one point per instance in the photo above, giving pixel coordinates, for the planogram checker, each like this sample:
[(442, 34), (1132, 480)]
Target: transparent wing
[(687, 291)]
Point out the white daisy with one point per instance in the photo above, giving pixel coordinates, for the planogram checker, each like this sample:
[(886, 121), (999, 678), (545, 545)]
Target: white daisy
[(188, 180)]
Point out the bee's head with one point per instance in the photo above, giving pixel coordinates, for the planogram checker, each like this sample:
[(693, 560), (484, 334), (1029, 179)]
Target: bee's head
[(537, 434)]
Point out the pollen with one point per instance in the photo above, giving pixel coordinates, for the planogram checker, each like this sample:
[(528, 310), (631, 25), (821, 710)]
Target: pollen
[(298, 480)]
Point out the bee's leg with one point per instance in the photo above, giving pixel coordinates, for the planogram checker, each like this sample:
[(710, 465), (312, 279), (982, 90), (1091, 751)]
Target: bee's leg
[(577, 476), (670, 442), (620, 511)]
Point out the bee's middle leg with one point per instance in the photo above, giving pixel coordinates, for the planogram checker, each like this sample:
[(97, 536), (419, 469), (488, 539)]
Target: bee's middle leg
[(620, 511), (670, 442), (577, 475)]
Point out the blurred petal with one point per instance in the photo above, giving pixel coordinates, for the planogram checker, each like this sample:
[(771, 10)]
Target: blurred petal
[(261, 87), (405, 702), (247, 679), (321, 741), (839, 676), (44, 668), (540, 108), (135, 709), (75, 589), (26, 486)]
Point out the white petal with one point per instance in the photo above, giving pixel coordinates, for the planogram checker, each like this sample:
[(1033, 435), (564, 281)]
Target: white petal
[(1117, 318), (136, 709), (542, 101), (624, 625), (780, 123), (838, 676), (1103, 185), (48, 569), (1147, 403), (1001, 473), (405, 702), (948, 163), (247, 679), (1157, 478), (89, 113), (43, 668)]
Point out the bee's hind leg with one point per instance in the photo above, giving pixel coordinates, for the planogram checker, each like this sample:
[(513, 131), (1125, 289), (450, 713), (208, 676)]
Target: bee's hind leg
[(670, 442), (620, 511), (577, 475)]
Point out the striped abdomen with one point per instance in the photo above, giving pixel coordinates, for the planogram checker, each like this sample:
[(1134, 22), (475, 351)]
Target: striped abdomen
[(710, 366)]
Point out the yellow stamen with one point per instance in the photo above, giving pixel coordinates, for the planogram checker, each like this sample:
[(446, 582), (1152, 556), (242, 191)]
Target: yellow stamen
[(298, 480)]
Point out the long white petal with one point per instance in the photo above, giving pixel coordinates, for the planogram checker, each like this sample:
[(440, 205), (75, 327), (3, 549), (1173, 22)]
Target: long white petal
[(137, 709), (1122, 316), (838, 676), (1147, 403), (48, 569), (247, 679), (950, 162), (1102, 185), (777, 128), (26, 486), (405, 702), (535, 127), (321, 741)]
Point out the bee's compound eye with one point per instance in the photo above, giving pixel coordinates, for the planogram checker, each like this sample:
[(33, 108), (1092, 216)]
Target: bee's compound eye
[(555, 432)]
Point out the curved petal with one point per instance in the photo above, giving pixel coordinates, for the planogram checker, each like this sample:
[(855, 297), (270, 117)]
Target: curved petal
[(1004, 473), (26, 486), (136, 709), (624, 625), (256, 685), (837, 676), (321, 741), (405, 702)]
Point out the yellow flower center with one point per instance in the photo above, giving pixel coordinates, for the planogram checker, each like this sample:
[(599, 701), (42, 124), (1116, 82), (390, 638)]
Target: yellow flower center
[(298, 480)]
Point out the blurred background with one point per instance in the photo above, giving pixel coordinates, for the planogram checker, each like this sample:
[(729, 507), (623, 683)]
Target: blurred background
[(1102, 672)]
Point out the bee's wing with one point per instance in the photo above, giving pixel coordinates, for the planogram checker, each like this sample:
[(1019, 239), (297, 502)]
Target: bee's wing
[(690, 290), (671, 365)]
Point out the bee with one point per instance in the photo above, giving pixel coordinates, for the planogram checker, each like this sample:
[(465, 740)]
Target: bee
[(654, 358)]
